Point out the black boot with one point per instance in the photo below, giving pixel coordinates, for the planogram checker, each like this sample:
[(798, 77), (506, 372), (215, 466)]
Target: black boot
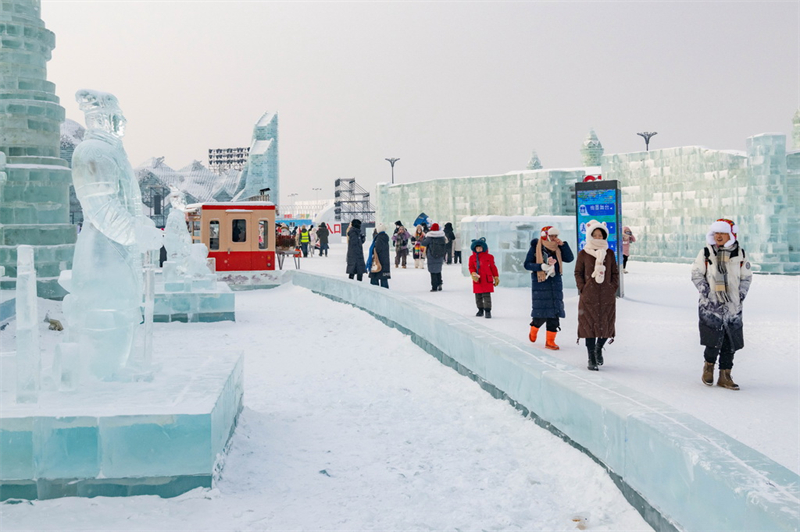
[(480, 313), (488, 313), (592, 359), (598, 355)]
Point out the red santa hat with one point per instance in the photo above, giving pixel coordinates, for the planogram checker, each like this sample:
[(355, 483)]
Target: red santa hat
[(723, 225), (549, 231), (435, 227)]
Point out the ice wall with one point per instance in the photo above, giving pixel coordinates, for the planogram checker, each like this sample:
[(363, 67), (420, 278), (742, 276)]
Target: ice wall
[(509, 239), (671, 196), (527, 193)]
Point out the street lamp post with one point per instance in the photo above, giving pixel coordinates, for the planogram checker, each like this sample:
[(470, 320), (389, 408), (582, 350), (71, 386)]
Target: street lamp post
[(393, 160), (316, 193), (646, 136)]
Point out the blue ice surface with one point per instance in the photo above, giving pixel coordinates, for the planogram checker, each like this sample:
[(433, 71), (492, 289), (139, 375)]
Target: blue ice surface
[(161, 437), (694, 476), (194, 301)]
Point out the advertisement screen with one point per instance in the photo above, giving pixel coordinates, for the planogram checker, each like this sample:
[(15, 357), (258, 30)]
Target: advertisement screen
[(601, 201)]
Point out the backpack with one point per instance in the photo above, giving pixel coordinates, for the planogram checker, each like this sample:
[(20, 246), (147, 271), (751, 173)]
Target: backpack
[(436, 249)]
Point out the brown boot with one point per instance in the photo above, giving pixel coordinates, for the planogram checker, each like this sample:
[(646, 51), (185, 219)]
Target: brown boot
[(708, 373), (551, 341), (533, 334), (725, 380)]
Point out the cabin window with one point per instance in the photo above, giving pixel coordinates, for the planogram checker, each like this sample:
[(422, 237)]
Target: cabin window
[(262, 234), (213, 235), (239, 230)]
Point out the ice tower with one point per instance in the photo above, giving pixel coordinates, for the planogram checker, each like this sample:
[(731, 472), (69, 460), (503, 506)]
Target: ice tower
[(34, 202), (261, 169), (592, 150), (796, 130), (534, 163)]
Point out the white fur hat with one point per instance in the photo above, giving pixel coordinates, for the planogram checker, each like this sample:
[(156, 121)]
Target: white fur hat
[(723, 225), (380, 228), (594, 224)]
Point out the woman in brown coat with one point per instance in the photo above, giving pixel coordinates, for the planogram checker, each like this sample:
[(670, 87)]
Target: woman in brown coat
[(597, 277)]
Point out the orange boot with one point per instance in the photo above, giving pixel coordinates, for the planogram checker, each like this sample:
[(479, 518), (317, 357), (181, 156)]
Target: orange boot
[(551, 341), (534, 332)]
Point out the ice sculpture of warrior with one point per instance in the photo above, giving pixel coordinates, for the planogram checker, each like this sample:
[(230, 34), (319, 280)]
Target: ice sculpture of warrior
[(104, 307)]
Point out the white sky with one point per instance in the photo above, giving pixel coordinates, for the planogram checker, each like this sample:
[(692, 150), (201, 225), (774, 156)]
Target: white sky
[(451, 88)]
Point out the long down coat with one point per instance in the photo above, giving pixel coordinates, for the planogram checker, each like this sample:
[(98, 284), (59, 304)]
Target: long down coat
[(547, 297), (355, 251), (381, 249), (597, 308)]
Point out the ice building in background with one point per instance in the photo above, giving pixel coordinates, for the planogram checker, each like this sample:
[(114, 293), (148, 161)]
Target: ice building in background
[(34, 200), (72, 135), (669, 197), (261, 170)]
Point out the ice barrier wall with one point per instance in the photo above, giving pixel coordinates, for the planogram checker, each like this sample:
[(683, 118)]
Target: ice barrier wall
[(677, 471), (669, 198)]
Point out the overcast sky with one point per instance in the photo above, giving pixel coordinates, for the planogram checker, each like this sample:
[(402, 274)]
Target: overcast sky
[(452, 89)]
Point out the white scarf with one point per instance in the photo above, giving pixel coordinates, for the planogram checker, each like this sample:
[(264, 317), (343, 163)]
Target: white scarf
[(597, 247)]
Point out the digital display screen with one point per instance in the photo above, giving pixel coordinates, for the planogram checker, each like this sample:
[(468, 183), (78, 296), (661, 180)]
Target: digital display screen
[(601, 205)]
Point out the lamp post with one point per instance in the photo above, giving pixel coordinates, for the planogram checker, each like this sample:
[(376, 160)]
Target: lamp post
[(646, 136), (316, 193), (393, 160)]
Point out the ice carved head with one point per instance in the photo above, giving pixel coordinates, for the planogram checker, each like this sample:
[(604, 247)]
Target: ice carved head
[(102, 111)]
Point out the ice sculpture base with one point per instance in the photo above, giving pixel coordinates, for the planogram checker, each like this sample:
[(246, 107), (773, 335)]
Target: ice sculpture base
[(255, 280), (194, 300), (117, 439)]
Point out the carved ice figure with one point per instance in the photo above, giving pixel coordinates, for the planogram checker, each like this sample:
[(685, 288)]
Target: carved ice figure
[(177, 239), (29, 357), (104, 307)]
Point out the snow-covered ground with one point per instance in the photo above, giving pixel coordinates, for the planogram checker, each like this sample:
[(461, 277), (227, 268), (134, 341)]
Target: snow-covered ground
[(657, 348), (350, 426)]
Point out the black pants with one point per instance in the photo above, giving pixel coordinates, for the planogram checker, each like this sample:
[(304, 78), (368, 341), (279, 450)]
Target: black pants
[(400, 255), (436, 280), (624, 261), (484, 300), (592, 342), (358, 276), (553, 324), (724, 351), (383, 281), (448, 254), (457, 257)]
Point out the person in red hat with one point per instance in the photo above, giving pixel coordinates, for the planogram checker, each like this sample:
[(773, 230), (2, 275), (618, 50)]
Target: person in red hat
[(722, 275), (545, 260)]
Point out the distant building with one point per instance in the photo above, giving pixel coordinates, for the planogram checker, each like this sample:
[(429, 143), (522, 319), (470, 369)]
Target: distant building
[(261, 170), (220, 160)]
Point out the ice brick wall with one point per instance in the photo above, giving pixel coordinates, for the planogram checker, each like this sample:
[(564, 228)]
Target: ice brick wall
[(525, 193), (509, 239), (671, 196)]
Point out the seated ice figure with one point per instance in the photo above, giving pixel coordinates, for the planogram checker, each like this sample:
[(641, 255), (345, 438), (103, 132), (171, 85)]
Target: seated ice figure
[(177, 239), (104, 306)]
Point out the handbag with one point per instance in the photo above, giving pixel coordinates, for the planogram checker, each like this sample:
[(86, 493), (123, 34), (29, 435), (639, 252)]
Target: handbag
[(376, 264)]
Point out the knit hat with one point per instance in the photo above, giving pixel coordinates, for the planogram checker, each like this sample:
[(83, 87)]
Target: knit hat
[(549, 231), (479, 242), (398, 223), (723, 225), (380, 228), (435, 227), (594, 224)]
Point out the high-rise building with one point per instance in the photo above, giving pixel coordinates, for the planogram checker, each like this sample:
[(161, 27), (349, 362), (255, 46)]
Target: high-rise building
[(220, 160), (34, 200)]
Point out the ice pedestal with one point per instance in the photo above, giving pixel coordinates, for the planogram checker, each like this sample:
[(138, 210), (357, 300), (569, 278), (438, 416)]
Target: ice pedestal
[(509, 239), (195, 299), (161, 437)]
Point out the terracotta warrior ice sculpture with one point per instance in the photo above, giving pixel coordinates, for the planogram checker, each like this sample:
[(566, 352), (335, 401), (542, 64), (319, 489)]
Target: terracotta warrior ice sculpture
[(104, 307)]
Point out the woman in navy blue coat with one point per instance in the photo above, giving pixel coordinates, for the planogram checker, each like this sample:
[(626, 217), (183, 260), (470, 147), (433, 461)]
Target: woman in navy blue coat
[(545, 260)]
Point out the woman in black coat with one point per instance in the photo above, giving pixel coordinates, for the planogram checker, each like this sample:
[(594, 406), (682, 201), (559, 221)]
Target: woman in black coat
[(355, 251), (545, 261), (380, 247)]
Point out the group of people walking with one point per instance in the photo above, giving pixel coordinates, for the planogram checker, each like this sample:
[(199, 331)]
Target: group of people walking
[(306, 239), (721, 274)]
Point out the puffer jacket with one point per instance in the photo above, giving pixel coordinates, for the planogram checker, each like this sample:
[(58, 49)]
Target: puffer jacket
[(597, 307), (718, 318), (547, 297)]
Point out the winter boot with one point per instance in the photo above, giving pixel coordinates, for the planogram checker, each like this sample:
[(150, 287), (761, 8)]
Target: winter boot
[(551, 341), (488, 313), (708, 373), (480, 313), (592, 360), (725, 380), (598, 355), (533, 334)]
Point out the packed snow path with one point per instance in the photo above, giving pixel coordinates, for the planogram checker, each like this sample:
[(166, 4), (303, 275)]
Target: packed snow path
[(657, 350), (348, 425)]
